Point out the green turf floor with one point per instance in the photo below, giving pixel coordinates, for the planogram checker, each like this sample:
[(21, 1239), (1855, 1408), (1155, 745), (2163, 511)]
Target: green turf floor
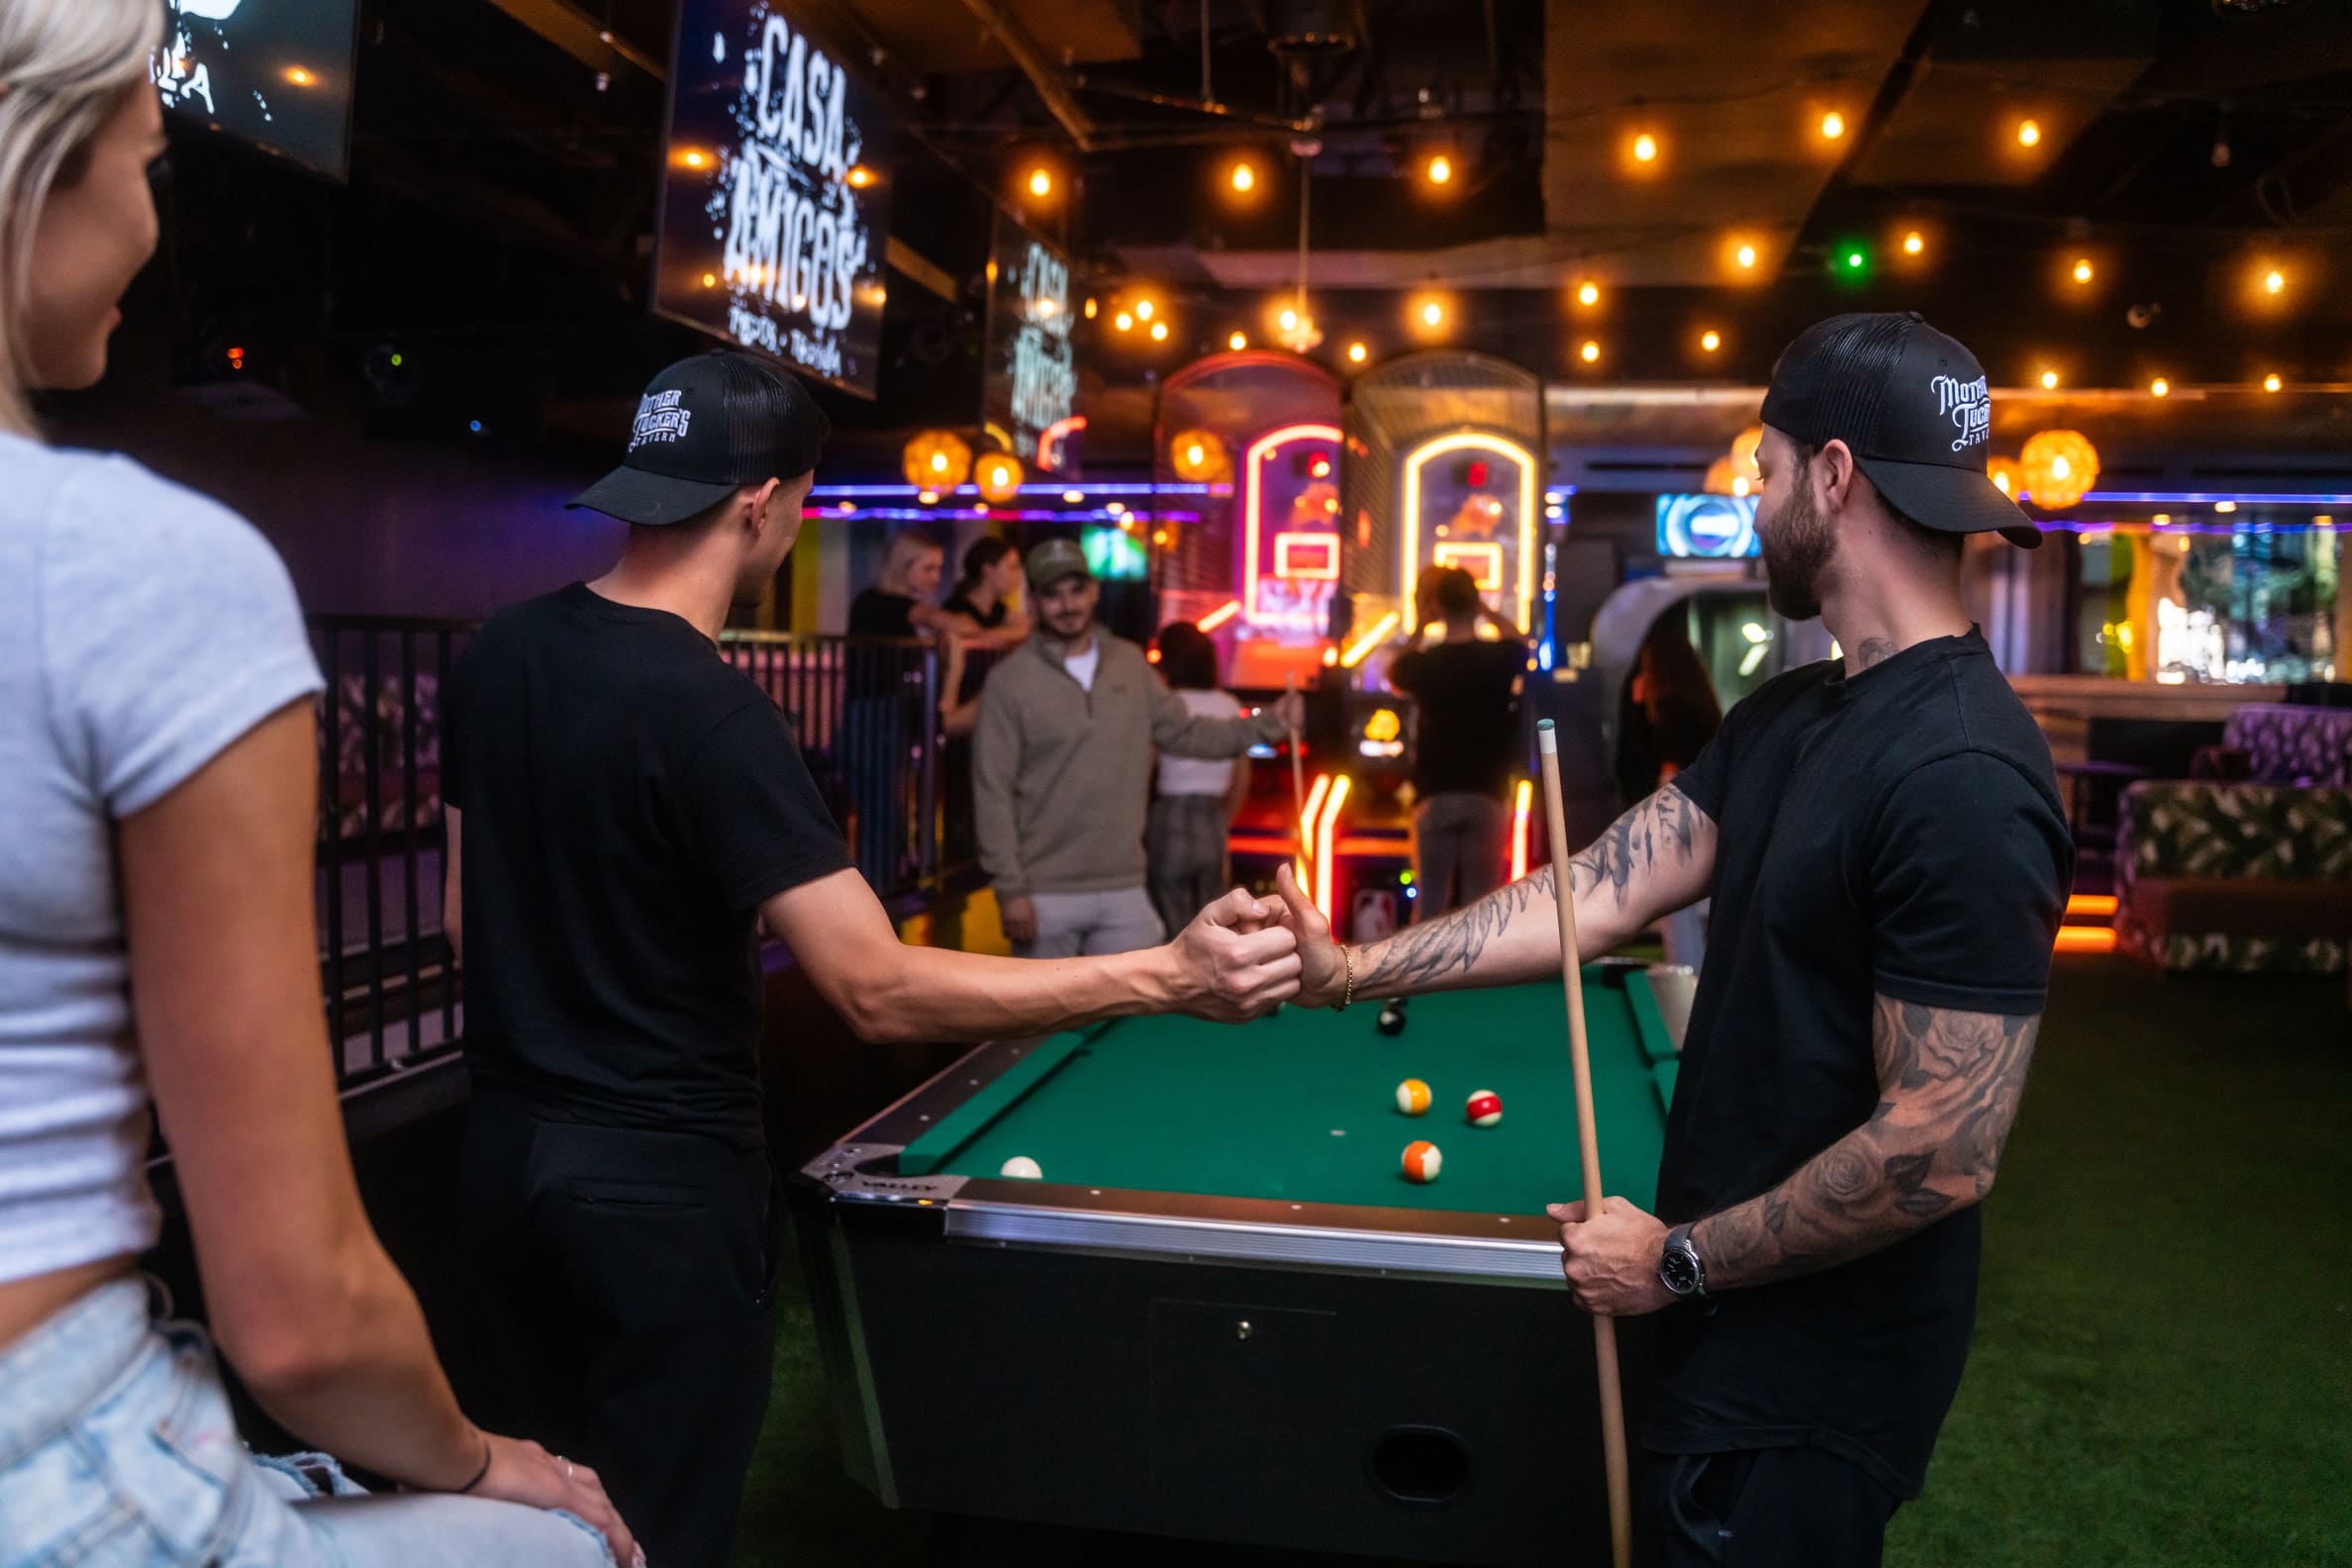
[(2162, 1375)]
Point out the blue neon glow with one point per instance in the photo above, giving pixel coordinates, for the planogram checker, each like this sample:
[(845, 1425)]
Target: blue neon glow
[(1040, 488), (2208, 497)]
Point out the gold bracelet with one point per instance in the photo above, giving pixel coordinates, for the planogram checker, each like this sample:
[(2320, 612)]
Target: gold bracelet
[(1348, 955)]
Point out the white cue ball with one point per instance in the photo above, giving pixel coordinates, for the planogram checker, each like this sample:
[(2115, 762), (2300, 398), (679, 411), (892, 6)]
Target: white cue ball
[(1023, 1166)]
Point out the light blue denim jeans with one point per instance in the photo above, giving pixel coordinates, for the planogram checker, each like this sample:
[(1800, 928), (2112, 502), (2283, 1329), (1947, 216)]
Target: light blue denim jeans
[(116, 1448)]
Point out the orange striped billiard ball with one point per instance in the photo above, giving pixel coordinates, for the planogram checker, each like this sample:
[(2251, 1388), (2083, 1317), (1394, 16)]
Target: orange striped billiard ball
[(1422, 1161)]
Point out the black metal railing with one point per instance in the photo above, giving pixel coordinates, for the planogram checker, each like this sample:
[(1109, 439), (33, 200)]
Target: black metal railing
[(867, 713), (391, 989)]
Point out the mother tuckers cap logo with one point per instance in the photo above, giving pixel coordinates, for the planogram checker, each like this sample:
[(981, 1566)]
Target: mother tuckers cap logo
[(1911, 405), (706, 428), (1967, 405)]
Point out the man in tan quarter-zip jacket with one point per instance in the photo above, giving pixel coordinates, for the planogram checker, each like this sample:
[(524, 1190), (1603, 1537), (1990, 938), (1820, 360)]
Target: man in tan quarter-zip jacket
[(1061, 769)]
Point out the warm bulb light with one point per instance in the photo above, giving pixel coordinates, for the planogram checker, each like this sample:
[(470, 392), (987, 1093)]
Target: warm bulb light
[(2001, 480), (1711, 340), (2082, 270), (1832, 126), (2273, 282), (1356, 352), (1143, 310), (1160, 331), (1588, 294), (299, 77), (1289, 319), (1122, 321), (1590, 353), (1913, 242), (1645, 149), (1244, 178), (2049, 380), (1195, 454), (1041, 182), (2159, 387), (1745, 256), (1742, 484), (1238, 341), (2029, 133), (1432, 313), (938, 462), (2271, 382), (859, 176), (1440, 169), (2226, 506), (2060, 468)]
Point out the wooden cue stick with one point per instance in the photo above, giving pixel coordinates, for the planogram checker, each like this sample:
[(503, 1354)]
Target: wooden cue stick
[(1613, 1403)]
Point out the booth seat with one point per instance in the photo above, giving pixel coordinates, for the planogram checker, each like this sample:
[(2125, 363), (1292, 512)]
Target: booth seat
[(2241, 877), (2288, 743)]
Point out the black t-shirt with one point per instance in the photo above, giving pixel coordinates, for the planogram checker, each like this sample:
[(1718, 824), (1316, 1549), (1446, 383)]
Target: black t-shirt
[(1466, 736), (1898, 833), (987, 619), (879, 612), (630, 800)]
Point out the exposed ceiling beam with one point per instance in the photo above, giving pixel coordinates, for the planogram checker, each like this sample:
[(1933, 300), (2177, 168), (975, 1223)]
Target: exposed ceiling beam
[(1042, 73), (581, 36)]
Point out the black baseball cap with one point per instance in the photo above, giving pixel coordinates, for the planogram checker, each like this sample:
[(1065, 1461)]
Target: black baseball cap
[(706, 428), (1913, 407)]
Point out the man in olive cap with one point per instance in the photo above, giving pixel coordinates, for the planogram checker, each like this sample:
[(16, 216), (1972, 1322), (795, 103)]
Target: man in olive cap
[(1061, 769)]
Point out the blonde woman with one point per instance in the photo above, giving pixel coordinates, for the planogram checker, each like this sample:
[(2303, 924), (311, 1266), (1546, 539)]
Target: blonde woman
[(899, 605), (158, 778)]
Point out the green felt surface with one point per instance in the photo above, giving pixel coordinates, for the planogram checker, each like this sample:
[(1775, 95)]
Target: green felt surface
[(1302, 1106)]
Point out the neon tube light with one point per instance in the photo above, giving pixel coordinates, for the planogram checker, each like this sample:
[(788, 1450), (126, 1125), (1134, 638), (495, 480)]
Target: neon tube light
[(1315, 799), (1324, 879), (1461, 441), (1220, 615), (1364, 645), (1252, 497), (1519, 809)]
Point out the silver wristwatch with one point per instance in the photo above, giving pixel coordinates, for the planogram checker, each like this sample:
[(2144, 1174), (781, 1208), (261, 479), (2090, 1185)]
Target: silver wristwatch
[(1679, 1267)]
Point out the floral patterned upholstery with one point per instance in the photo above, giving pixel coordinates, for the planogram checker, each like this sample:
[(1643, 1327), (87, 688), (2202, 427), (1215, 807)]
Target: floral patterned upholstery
[(2293, 744), (2196, 856)]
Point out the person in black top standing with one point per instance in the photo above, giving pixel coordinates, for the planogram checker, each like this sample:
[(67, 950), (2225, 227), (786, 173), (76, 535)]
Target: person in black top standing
[(1466, 739), (627, 814), (1888, 858)]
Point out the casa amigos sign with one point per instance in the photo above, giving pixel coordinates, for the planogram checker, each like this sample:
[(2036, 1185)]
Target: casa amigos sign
[(1031, 385), (774, 200)]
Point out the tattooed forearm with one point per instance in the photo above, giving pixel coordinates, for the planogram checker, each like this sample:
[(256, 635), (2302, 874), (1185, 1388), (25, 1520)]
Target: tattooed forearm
[(1662, 827), (1419, 955), (1654, 858), (1949, 1087)]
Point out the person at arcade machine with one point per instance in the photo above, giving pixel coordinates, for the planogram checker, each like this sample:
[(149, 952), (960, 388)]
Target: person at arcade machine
[(1466, 740)]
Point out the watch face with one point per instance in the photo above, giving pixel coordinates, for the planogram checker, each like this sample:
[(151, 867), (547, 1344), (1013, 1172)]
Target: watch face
[(1680, 1271)]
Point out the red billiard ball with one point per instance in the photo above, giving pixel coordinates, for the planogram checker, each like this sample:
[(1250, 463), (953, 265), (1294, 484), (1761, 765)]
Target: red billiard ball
[(1485, 1108)]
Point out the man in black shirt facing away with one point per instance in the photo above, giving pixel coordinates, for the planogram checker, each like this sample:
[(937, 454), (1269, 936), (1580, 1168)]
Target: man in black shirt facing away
[(1883, 838), (1465, 742), (627, 812)]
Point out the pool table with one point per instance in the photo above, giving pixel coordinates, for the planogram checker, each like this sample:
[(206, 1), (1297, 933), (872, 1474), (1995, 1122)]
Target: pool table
[(1224, 1313)]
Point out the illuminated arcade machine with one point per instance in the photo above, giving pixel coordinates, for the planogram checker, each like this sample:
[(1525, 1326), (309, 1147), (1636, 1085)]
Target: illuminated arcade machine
[(1260, 566), (1441, 464)]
